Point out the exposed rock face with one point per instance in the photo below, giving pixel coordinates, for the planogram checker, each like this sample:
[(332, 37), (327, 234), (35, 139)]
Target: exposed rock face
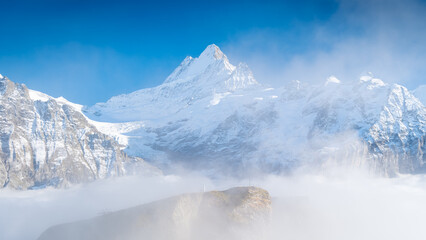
[(46, 142), (389, 121), (238, 213)]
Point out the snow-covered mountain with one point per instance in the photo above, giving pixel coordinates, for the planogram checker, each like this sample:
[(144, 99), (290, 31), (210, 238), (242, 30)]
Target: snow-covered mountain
[(47, 141), (194, 80), (213, 116)]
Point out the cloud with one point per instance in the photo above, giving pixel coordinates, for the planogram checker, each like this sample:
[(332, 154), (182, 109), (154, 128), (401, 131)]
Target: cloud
[(336, 204), (351, 207), (379, 36), (26, 214)]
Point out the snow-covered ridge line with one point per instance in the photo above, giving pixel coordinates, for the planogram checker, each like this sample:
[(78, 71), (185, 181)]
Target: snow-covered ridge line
[(209, 114), (47, 141), (39, 96), (192, 80), (116, 130), (216, 113)]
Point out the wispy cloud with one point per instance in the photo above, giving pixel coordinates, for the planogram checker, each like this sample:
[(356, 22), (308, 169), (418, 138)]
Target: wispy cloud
[(379, 36)]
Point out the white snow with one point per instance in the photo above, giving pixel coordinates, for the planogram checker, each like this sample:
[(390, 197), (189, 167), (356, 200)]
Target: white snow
[(38, 96), (372, 82), (332, 79), (62, 100), (207, 93), (217, 97), (207, 101), (116, 130), (209, 76)]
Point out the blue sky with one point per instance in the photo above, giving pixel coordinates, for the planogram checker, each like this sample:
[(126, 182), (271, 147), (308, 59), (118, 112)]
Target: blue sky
[(88, 51)]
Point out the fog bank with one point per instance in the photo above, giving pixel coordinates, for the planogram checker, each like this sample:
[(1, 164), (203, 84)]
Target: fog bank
[(332, 205)]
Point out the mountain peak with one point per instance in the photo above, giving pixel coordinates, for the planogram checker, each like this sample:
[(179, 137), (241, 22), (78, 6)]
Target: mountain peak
[(190, 67), (212, 51), (1, 76)]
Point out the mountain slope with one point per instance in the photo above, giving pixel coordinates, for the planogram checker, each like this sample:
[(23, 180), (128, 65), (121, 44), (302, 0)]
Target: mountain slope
[(213, 116), (47, 141), (387, 119), (193, 80)]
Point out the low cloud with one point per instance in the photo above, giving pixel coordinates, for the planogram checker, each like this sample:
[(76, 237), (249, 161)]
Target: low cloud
[(336, 204)]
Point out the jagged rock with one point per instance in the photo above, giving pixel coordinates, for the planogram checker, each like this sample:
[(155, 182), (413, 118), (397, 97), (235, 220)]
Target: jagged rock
[(46, 142), (237, 213)]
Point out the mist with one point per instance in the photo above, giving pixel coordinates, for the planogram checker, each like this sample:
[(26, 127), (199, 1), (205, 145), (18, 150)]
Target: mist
[(26, 214), (384, 37), (333, 204), (326, 202), (347, 207)]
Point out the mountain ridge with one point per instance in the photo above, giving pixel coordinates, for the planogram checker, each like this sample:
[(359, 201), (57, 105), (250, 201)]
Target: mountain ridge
[(192, 80), (214, 117), (49, 142), (237, 124)]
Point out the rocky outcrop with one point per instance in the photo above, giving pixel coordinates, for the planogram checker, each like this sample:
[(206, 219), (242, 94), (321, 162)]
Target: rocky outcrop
[(46, 142), (237, 213)]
